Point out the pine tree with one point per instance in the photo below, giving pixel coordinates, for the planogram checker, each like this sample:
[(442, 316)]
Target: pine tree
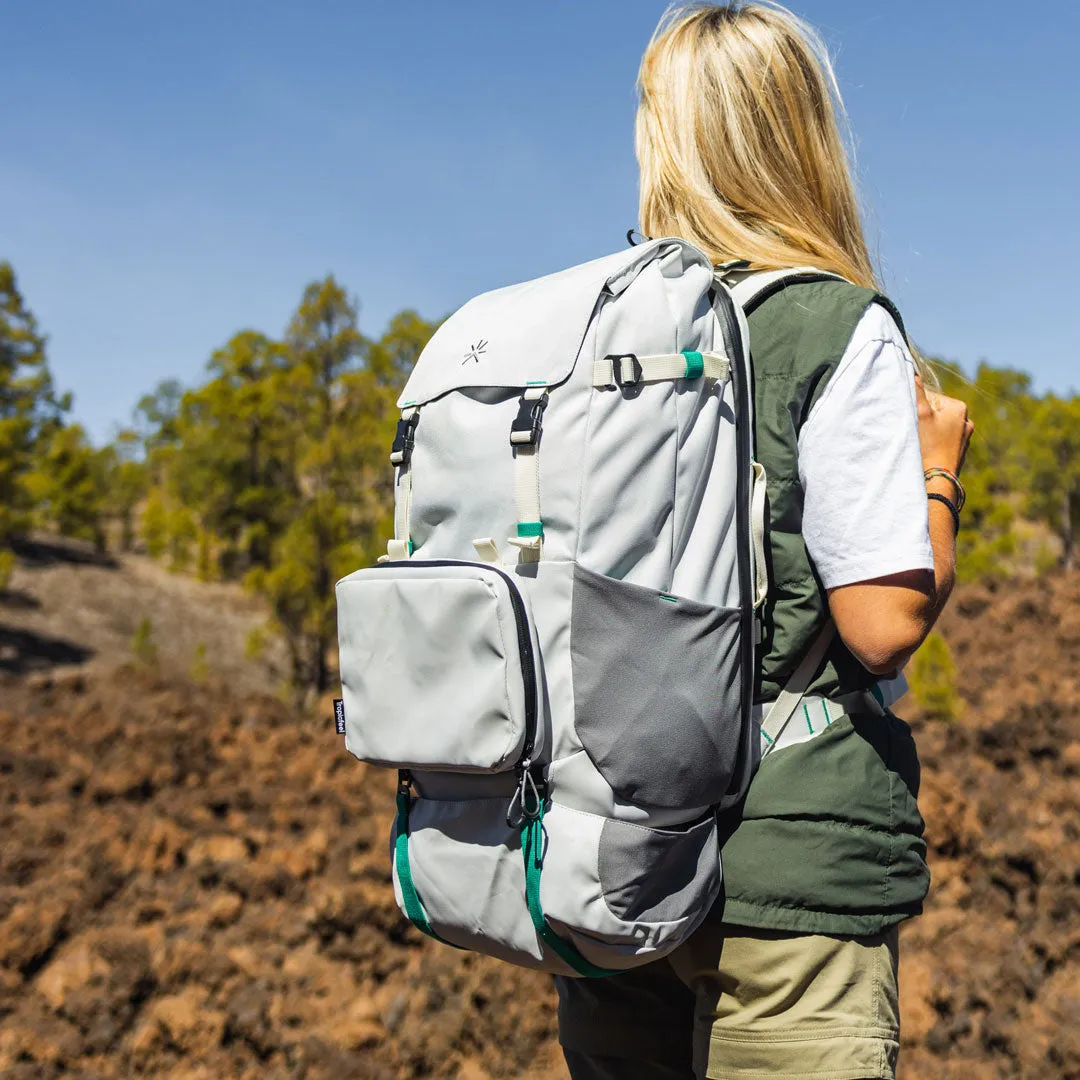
[(1052, 450), (932, 678), (68, 484), (30, 410)]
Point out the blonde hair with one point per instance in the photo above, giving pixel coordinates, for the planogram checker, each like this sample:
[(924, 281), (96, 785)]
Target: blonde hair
[(738, 142)]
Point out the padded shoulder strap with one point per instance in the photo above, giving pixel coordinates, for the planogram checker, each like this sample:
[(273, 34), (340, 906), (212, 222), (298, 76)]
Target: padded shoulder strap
[(751, 288)]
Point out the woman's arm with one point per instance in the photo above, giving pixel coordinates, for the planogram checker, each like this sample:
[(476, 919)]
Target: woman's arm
[(885, 620)]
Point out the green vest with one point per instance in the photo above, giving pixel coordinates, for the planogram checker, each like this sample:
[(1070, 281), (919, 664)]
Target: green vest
[(829, 837)]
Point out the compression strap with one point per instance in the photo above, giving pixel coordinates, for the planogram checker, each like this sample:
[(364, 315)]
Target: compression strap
[(532, 848), (414, 908)]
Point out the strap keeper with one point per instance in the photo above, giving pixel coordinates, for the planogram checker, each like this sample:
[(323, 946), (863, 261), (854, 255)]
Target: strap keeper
[(528, 424), (529, 547), (618, 379), (695, 364), (404, 440)]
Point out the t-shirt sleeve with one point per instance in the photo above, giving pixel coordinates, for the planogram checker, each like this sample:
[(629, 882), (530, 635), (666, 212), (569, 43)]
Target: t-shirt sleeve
[(865, 510)]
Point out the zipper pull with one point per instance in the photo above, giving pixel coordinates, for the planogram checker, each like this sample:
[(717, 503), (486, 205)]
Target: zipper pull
[(527, 803)]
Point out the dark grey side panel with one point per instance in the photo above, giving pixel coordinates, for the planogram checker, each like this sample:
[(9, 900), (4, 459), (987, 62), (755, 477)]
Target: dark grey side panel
[(657, 690), (658, 875)]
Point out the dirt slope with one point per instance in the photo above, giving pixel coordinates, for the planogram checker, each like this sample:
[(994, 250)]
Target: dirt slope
[(195, 884), (198, 887), (990, 975), (69, 606)]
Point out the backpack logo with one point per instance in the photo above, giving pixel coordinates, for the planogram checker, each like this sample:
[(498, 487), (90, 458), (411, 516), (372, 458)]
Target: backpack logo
[(476, 351)]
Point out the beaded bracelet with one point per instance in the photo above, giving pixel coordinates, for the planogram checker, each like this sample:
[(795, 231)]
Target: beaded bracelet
[(952, 509), (961, 494)]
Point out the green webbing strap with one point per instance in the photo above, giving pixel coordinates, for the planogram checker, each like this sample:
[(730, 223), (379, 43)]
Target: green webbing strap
[(532, 848), (414, 909)]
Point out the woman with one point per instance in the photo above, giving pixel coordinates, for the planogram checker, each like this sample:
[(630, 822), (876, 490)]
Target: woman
[(794, 974)]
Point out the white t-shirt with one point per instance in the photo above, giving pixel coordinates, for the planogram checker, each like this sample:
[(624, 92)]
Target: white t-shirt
[(865, 512)]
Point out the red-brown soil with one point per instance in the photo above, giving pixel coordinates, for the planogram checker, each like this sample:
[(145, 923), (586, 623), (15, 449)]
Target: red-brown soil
[(194, 884), (990, 974)]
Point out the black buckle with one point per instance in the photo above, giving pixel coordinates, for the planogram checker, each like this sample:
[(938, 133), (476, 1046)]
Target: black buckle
[(617, 379), (527, 425), (404, 440)]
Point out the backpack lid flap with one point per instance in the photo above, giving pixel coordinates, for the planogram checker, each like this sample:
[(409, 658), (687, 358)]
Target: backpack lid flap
[(529, 333)]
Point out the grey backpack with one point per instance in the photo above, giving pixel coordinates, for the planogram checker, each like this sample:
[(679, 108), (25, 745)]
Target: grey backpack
[(557, 652)]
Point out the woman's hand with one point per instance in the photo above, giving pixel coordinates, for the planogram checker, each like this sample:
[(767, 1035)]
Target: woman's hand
[(944, 429)]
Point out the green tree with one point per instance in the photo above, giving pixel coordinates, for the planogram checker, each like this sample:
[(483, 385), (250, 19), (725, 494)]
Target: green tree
[(1052, 450), (999, 401), (324, 344), (127, 482), (338, 405), (155, 524), (156, 414), (932, 679), (233, 465), (68, 484), (143, 646), (29, 407)]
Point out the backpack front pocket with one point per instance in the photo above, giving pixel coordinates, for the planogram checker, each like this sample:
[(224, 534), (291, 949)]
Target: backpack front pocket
[(439, 667)]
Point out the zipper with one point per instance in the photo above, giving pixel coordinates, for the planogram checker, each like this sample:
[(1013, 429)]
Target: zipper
[(525, 648)]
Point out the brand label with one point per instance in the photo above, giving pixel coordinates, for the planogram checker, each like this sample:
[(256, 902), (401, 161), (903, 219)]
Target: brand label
[(476, 351), (339, 716)]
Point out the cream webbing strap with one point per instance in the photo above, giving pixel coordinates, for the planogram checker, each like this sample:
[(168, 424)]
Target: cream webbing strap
[(757, 532), (783, 708), (525, 440), (401, 455), (626, 369)]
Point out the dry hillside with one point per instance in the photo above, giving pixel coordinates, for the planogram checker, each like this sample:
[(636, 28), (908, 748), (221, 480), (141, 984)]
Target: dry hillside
[(194, 881)]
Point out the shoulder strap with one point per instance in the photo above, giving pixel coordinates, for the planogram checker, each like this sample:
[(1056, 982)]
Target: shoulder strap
[(751, 288), (783, 708)]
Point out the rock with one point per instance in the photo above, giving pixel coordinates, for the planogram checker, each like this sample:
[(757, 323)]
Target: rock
[(222, 848), (1070, 758), (51, 1043), (224, 909), (30, 931), (72, 970), (250, 961), (187, 1021), (470, 1069), (247, 1018)]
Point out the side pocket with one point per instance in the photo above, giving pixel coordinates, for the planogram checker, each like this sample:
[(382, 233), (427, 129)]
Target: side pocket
[(657, 875), (625, 893), (657, 691)]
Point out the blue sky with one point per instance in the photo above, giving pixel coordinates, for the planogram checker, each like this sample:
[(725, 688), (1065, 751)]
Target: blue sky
[(173, 172)]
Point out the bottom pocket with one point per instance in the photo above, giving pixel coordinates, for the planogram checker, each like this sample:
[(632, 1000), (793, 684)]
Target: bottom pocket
[(617, 894)]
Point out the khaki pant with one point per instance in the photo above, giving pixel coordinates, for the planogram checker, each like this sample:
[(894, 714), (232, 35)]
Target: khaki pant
[(735, 1003)]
